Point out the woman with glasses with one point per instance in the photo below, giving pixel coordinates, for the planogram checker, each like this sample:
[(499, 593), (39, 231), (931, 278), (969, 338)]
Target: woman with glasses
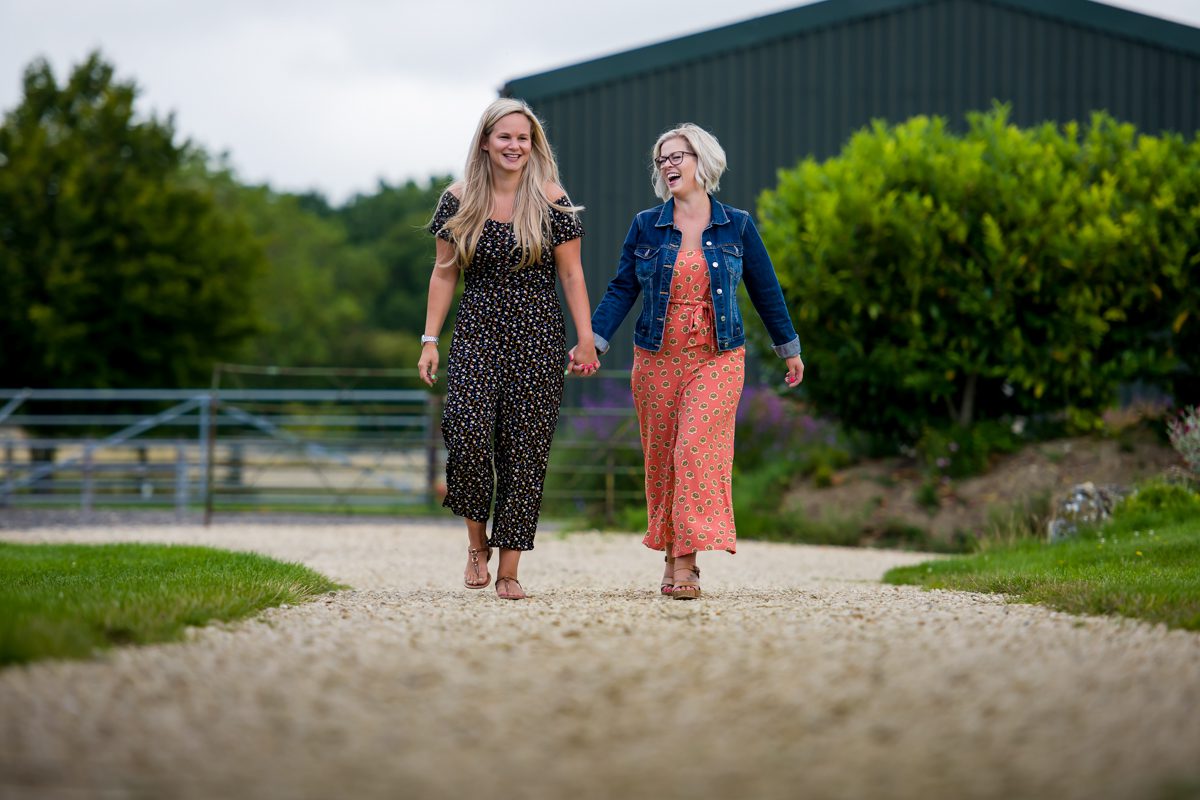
[(686, 257), (510, 228)]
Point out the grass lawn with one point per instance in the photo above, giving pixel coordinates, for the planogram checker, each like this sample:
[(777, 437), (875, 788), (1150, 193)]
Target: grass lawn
[(65, 601), (1146, 565)]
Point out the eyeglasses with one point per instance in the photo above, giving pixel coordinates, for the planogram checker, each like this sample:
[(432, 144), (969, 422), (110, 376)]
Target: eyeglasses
[(675, 158)]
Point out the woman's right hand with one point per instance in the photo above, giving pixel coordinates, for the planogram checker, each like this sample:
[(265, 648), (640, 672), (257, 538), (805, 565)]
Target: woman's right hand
[(575, 368), (427, 366)]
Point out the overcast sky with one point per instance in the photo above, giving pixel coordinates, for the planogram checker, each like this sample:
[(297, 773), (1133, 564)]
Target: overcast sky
[(336, 95)]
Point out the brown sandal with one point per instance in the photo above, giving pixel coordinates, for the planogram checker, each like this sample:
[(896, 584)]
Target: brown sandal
[(687, 590), (509, 595), (666, 586), (487, 576)]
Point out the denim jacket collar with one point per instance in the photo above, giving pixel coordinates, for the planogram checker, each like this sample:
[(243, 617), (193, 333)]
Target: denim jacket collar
[(734, 253), (667, 217)]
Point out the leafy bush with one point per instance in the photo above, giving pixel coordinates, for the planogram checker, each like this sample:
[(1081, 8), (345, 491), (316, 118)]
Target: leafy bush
[(1169, 500), (1003, 273), (928, 494), (758, 509), (958, 452), (1184, 432)]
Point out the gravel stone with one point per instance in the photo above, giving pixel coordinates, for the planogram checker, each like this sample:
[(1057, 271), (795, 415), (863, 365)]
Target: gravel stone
[(797, 675)]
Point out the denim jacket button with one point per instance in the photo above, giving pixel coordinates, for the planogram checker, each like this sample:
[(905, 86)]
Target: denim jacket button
[(708, 244), (719, 291), (722, 318), (714, 263)]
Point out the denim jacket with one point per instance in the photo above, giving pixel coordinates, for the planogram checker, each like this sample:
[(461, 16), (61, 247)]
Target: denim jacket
[(733, 251)]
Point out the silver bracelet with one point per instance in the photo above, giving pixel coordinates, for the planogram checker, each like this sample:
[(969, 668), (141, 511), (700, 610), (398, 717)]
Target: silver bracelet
[(428, 339)]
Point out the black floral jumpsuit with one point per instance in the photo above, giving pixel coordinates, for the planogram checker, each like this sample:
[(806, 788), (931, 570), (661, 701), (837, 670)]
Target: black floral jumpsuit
[(504, 379)]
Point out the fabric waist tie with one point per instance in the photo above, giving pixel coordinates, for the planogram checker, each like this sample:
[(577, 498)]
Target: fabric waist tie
[(699, 317)]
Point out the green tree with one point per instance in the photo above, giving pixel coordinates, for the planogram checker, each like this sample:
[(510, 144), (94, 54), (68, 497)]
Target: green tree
[(392, 224), (116, 268), (940, 279), (315, 288), (344, 286)]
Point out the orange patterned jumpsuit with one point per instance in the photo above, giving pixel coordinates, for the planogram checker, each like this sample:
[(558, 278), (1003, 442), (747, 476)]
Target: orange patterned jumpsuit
[(686, 396)]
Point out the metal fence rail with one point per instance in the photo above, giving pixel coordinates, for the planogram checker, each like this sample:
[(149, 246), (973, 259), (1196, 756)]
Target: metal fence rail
[(332, 447), (354, 450)]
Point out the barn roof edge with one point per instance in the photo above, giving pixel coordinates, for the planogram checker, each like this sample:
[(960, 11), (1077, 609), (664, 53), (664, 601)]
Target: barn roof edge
[(739, 35)]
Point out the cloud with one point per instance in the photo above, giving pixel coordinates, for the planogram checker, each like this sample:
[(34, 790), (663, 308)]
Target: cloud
[(336, 95)]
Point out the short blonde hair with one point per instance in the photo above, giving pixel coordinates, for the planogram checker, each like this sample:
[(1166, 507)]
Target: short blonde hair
[(710, 158)]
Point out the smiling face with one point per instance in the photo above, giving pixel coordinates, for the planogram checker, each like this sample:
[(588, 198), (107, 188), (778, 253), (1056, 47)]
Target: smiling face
[(680, 178), (509, 143)]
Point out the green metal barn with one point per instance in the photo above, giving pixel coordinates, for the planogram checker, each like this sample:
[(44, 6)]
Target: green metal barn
[(785, 86)]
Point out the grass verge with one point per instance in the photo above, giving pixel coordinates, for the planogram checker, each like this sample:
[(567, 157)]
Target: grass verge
[(1146, 565), (66, 601)]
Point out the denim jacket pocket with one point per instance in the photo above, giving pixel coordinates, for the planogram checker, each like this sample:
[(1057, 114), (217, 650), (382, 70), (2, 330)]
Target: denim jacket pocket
[(645, 265), (645, 261), (733, 258)]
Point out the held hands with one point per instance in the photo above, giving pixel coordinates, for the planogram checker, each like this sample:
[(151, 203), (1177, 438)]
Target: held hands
[(427, 366), (585, 362), (795, 372)]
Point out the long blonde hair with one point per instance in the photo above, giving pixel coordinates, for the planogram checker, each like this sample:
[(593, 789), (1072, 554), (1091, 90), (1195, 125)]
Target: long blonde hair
[(531, 208)]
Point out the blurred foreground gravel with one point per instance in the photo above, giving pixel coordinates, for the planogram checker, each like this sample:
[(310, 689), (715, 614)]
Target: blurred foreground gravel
[(797, 676)]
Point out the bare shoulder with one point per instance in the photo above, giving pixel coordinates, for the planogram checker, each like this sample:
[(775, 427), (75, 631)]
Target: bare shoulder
[(456, 189), (553, 191)]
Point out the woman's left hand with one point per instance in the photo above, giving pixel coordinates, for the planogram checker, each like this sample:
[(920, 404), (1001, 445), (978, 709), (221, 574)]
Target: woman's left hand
[(795, 372)]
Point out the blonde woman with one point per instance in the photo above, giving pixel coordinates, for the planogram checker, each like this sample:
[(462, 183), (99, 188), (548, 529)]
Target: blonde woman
[(510, 228), (686, 258)]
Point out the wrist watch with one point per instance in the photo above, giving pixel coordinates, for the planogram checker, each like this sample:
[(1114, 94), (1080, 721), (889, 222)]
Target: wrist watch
[(428, 339)]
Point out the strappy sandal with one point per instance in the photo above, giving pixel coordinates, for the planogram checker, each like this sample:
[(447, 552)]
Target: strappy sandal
[(687, 590), (509, 595), (487, 576), (666, 586)]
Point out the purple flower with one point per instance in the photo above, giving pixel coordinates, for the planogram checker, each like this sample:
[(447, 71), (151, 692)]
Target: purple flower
[(603, 410), (770, 426)]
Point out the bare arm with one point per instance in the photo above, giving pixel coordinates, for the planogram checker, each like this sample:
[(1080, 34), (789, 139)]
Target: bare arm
[(442, 284), (570, 272), (584, 360)]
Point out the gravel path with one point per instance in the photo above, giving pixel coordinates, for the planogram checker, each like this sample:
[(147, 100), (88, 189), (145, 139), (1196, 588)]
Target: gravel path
[(797, 676)]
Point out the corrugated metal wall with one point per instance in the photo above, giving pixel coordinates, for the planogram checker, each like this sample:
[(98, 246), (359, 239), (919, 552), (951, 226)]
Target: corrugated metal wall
[(777, 101)]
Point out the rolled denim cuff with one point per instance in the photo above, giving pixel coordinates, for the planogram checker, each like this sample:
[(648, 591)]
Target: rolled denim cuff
[(787, 350), (602, 343)]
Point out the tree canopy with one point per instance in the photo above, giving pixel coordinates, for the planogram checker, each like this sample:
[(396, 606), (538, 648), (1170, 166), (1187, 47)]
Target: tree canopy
[(131, 258), (116, 269)]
